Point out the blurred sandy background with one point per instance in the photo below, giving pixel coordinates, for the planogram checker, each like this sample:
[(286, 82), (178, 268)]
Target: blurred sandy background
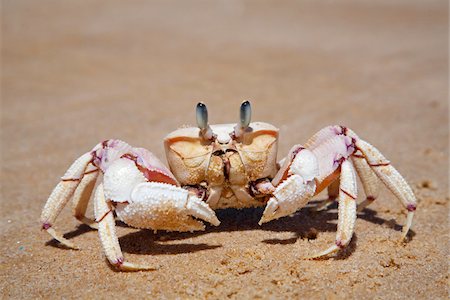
[(75, 73)]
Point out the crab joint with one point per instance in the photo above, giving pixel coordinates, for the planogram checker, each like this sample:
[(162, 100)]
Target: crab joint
[(261, 187), (197, 190), (46, 225), (370, 198), (118, 262), (244, 120), (411, 207), (340, 244), (202, 121)]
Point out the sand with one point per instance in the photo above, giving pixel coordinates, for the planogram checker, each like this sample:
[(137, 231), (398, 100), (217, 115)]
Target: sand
[(76, 73)]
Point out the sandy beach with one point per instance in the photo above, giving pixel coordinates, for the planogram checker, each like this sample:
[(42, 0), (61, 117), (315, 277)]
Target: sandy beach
[(76, 73)]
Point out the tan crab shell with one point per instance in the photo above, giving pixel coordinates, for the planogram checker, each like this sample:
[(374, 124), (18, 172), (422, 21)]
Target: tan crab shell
[(226, 165)]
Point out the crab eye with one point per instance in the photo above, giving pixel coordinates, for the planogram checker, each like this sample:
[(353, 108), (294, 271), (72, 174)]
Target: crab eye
[(245, 114), (202, 116), (202, 121)]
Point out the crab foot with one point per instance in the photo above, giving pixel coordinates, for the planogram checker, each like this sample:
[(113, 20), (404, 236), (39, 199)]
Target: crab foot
[(152, 205), (108, 237), (392, 180), (346, 210), (61, 194)]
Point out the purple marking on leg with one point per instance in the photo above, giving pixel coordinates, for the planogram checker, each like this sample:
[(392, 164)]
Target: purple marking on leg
[(411, 207), (338, 161), (46, 226), (343, 129), (119, 262), (112, 143), (97, 158), (351, 148), (350, 145), (296, 151), (340, 244), (370, 198), (337, 130)]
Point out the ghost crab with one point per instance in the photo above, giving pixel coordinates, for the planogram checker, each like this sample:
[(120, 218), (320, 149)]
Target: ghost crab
[(220, 166)]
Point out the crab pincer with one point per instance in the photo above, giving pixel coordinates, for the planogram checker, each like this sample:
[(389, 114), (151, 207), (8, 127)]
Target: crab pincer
[(295, 184)]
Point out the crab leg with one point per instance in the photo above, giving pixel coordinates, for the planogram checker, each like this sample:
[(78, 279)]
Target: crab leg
[(322, 135), (346, 210), (61, 195), (391, 178), (107, 232), (333, 194), (368, 179), (82, 196)]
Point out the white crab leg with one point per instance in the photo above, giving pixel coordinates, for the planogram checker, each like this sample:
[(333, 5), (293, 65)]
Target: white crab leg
[(82, 195), (391, 178), (322, 135), (61, 195), (294, 192), (368, 178), (107, 232), (346, 210)]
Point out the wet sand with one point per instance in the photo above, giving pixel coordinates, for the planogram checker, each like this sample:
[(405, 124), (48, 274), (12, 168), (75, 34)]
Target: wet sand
[(74, 74)]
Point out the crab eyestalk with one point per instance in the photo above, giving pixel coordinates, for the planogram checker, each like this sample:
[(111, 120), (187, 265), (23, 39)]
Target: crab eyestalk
[(244, 120), (202, 121)]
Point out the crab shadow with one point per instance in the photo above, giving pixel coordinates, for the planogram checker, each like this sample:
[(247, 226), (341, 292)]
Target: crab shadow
[(80, 230), (305, 224)]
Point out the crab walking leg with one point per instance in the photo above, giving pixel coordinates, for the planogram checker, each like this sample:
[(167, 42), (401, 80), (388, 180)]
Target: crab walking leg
[(368, 178), (61, 195), (281, 162), (107, 232), (392, 179), (323, 135), (82, 195), (333, 194), (346, 210), (333, 190)]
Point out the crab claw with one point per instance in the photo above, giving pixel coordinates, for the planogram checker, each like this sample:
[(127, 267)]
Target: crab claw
[(147, 195), (162, 206), (289, 196), (199, 209), (270, 212), (298, 187)]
